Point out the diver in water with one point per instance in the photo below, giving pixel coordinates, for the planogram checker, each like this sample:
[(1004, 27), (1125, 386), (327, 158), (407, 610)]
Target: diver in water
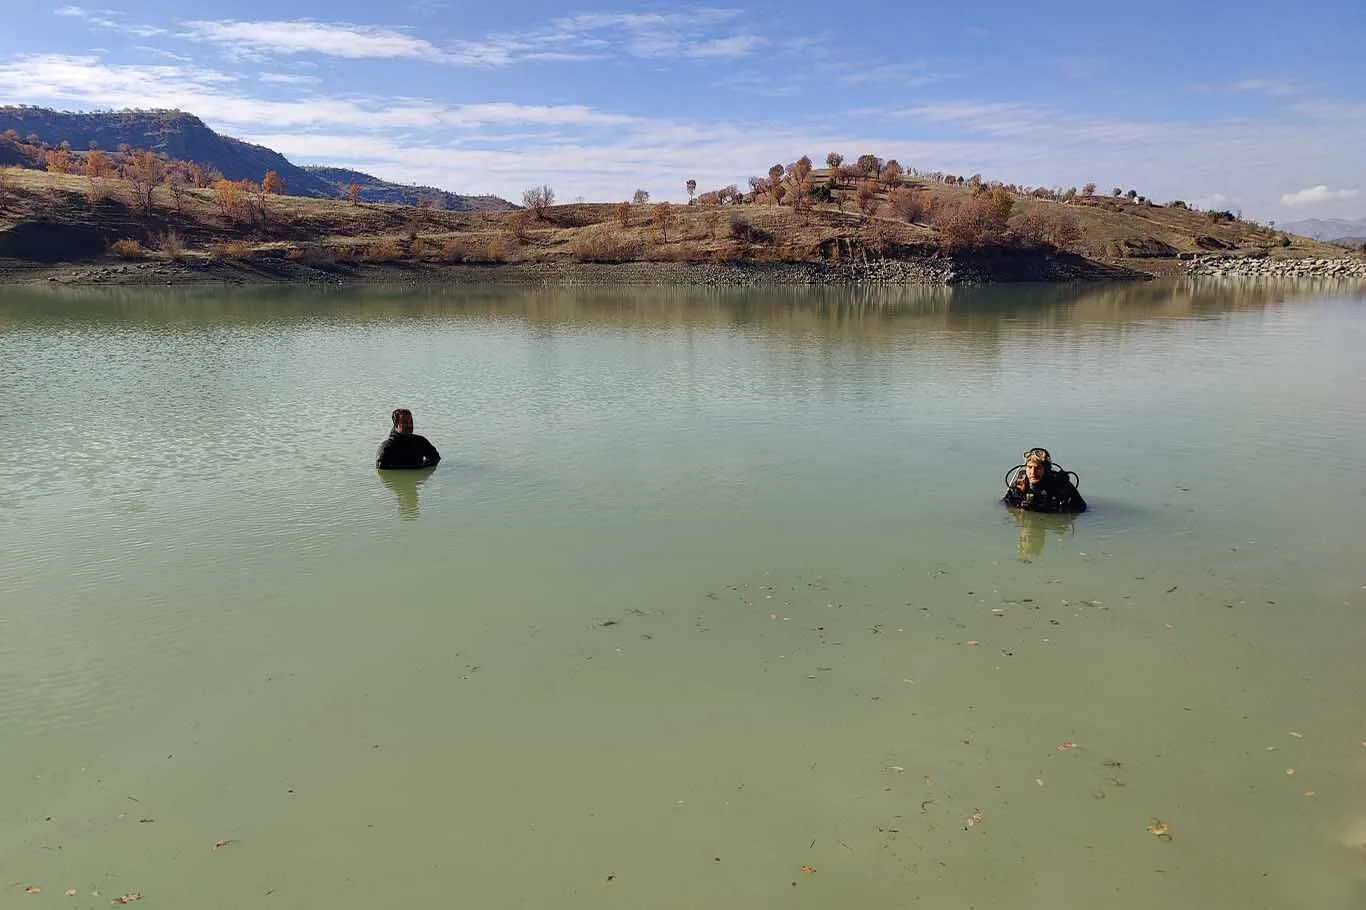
[(404, 448), (1041, 486)]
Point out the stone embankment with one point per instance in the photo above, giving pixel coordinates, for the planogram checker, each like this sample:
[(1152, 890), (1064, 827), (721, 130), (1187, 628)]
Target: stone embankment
[(1343, 268), (974, 268)]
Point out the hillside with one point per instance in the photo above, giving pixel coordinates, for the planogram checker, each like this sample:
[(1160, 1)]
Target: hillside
[(372, 189), (845, 223), (174, 134), (184, 137), (1329, 230)]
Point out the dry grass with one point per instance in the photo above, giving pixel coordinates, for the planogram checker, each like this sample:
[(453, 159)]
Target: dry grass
[(322, 231)]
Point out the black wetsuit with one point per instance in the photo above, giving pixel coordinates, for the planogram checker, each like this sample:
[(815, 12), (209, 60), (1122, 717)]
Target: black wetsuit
[(406, 450), (1054, 493)]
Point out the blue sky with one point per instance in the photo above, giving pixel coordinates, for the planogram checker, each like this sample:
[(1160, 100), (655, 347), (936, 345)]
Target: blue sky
[(1258, 106)]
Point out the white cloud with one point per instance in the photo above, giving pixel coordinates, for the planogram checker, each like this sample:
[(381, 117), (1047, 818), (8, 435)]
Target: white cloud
[(307, 36), (576, 38), (1212, 202), (1274, 86), (1316, 195), (734, 46), (500, 146), (108, 19), (288, 79)]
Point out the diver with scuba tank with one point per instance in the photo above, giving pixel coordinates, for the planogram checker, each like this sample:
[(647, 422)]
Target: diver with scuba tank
[(1039, 485)]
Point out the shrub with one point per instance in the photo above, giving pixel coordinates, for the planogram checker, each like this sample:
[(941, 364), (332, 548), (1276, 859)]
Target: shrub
[(172, 246), (865, 199), (383, 251), (907, 204), (604, 243), (126, 249), (457, 249), (741, 230)]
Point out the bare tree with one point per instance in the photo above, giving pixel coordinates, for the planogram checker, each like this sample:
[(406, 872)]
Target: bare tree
[(144, 172), (663, 217), (691, 187), (538, 199), (640, 197), (1089, 189)]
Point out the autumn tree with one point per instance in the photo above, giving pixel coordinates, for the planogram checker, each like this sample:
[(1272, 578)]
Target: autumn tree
[(775, 179), (228, 194), (907, 204), (892, 172), (353, 193), (195, 174), (1089, 189), (538, 199), (998, 206), (800, 169), (640, 197), (801, 200), (869, 165), (866, 199), (1063, 232), (272, 183), (662, 217), (691, 187), (622, 212), (144, 172), (58, 161), (97, 164)]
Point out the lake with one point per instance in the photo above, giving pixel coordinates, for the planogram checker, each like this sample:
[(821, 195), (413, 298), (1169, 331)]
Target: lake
[(711, 602)]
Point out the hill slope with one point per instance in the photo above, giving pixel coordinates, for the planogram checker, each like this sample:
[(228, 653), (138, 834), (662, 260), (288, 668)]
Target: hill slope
[(173, 133), (185, 137), (373, 189), (1327, 229)]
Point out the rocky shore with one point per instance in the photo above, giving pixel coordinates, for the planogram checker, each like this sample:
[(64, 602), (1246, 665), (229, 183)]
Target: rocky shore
[(986, 267), (1266, 267)]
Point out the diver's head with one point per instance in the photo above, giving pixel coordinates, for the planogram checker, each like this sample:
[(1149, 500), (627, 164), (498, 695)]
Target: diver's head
[(1037, 463), (403, 420)]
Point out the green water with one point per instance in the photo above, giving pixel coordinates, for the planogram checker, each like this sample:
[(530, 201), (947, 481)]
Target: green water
[(710, 587)]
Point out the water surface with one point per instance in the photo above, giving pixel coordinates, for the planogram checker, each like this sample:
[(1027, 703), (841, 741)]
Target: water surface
[(712, 587)]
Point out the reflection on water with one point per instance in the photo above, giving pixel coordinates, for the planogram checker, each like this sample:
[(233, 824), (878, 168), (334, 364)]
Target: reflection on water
[(711, 588), (404, 485), (1035, 528)]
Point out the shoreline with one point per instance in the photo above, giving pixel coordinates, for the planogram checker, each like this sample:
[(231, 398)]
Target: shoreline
[(989, 267), (978, 268)]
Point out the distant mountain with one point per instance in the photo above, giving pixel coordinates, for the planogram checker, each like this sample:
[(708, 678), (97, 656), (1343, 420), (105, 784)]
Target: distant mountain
[(173, 133), (1327, 229), (373, 189), (185, 137)]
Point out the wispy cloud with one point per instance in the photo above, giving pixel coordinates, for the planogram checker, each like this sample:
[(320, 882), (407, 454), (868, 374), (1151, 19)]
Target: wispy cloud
[(109, 19), (690, 35), (306, 36), (1275, 87), (288, 79), (903, 75), (163, 53), (1316, 195), (734, 46)]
